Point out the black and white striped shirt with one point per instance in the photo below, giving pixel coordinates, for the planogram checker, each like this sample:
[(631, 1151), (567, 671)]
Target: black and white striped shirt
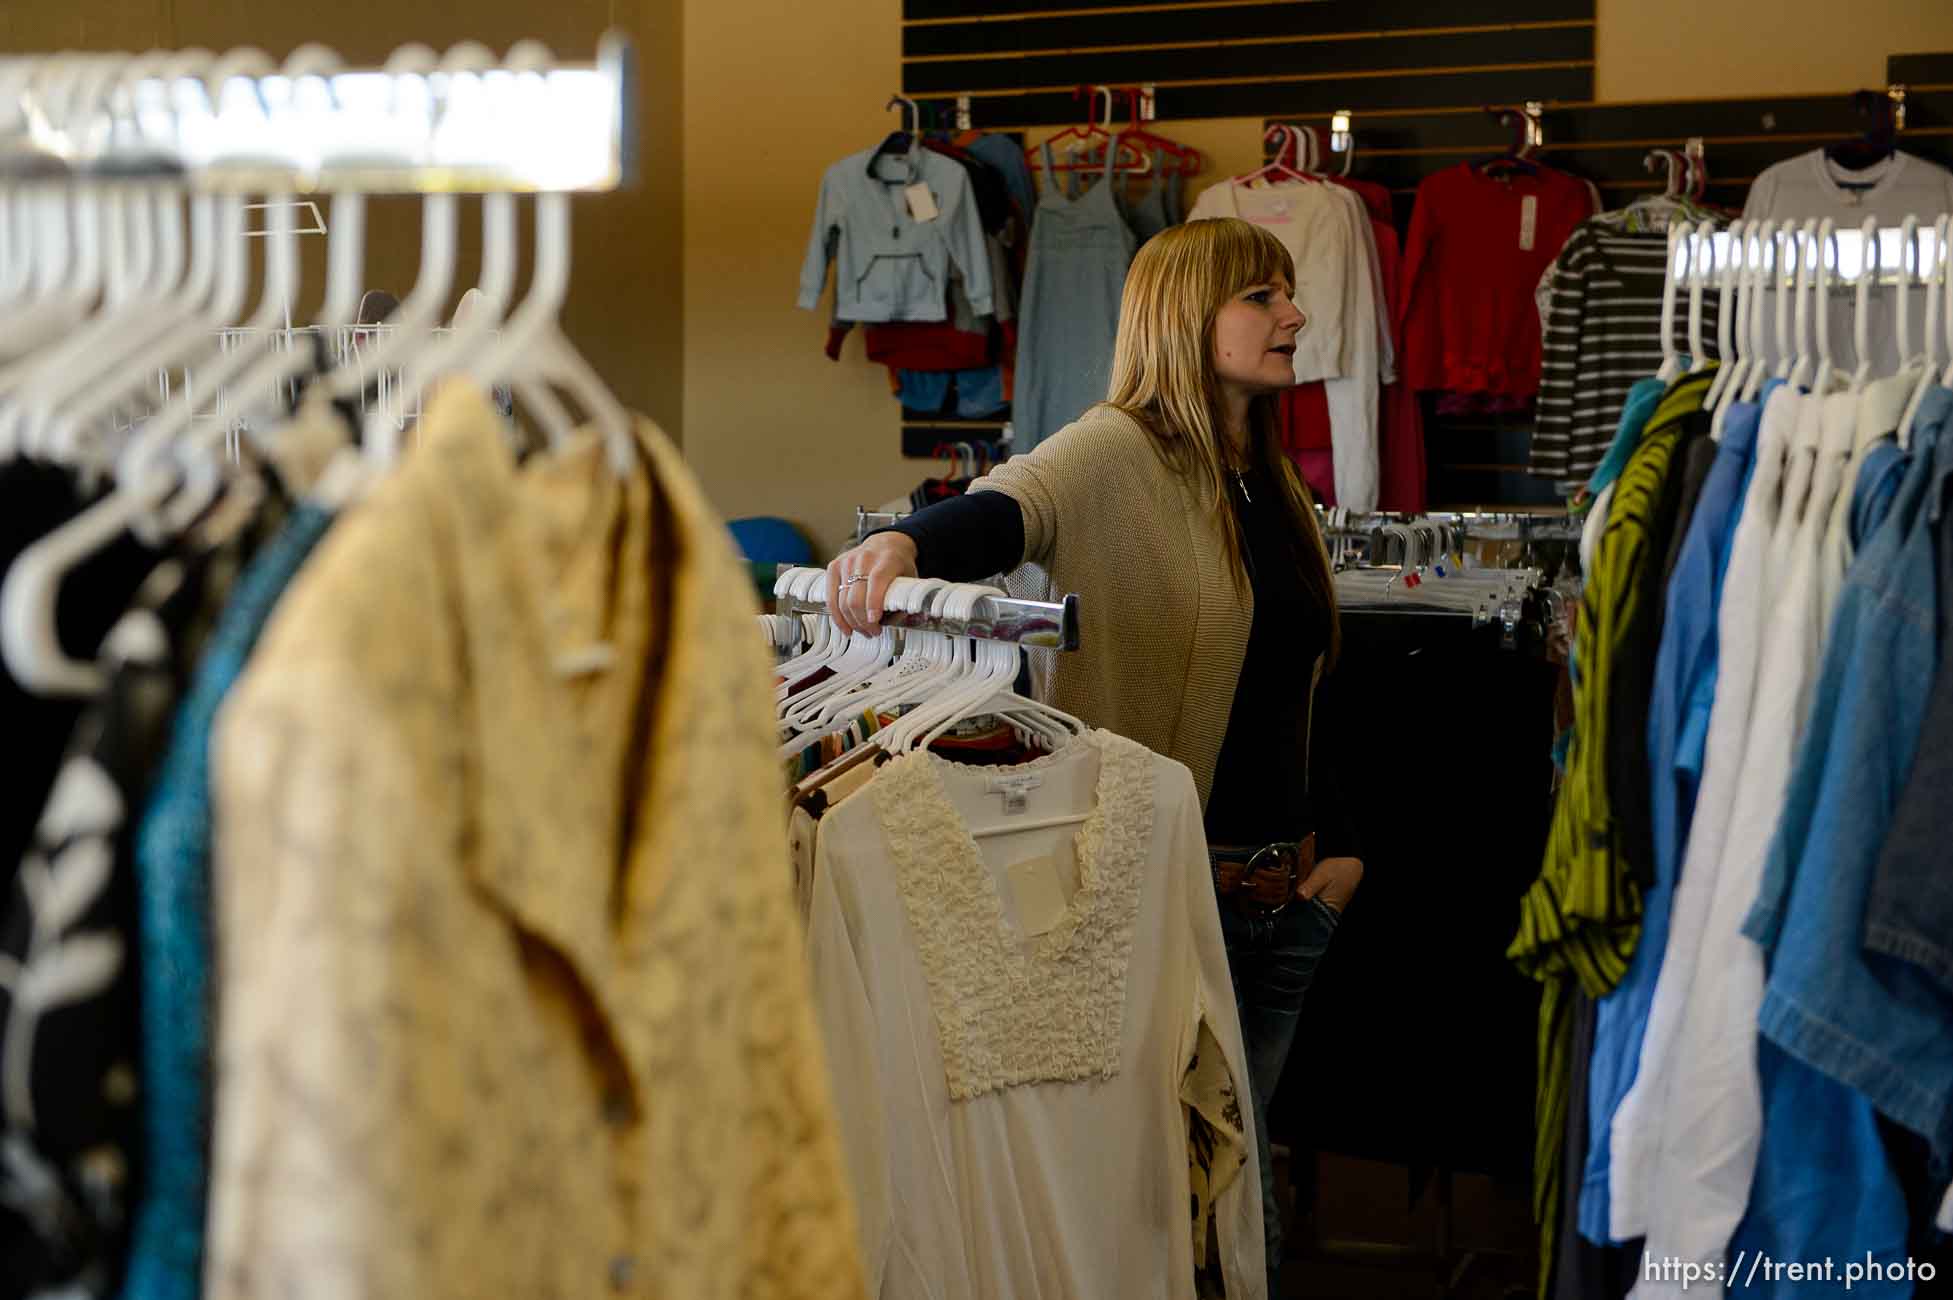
[(1601, 332)]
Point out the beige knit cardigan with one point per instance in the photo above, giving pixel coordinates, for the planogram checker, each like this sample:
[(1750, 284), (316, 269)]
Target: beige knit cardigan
[(1163, 625)]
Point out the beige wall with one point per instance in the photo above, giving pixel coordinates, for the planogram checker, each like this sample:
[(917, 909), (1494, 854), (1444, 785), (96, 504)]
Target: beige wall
[(1703, 49), (775, 90)]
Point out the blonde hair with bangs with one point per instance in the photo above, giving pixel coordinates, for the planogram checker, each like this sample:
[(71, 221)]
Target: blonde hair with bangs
[(1163, 376)]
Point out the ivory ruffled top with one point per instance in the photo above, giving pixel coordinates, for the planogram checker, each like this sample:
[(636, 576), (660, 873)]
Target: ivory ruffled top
[(1036, 1082)]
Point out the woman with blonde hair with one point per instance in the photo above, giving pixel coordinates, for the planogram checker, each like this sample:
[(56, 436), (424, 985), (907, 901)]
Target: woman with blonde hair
[(1208, 613)]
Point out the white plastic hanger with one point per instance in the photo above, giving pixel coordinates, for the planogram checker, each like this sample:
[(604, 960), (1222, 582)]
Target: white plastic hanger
[(280, 290), (26, 378), (1807, 247), (1937, 283), (1763, 276), (1861, 323), (73, 218), (1671, 355), (1745, 253), (1702, 265), (798, 585), (1827, 264), (85, 375), (1727, 334), (149, 474), (414, 319), (493, 290), (533, 348), (1928, 360), (69, 285)]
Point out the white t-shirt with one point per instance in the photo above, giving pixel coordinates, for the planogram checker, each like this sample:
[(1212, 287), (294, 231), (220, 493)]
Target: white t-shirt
[(1020, 1112), (1812, 186)]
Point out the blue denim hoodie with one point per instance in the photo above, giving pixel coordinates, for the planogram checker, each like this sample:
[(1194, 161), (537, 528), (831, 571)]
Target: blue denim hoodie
[(1678, 731), (887, 265), (1841, 1039)]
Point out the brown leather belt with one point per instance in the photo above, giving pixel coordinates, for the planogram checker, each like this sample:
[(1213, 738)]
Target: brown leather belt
[(1265, 877)]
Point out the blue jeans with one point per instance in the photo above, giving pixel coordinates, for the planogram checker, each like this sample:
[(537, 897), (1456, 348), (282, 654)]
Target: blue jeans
[(1272, 961)]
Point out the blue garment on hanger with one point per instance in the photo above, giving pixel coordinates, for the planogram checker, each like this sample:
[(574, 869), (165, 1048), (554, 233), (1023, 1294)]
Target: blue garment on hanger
[(1636, 411), (173, 884), (1678, 732), (1853, 1037), (1069, 319)]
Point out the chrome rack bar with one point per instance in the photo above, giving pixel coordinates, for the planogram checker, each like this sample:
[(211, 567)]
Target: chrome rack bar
[(532, 124), (1045, 624)]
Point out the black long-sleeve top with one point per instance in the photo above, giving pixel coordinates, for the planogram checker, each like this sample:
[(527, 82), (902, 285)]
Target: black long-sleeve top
[(1271, 780)]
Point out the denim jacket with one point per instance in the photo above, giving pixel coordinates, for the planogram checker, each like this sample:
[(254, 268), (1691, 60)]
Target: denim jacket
[(1910, 913), (887, 265)]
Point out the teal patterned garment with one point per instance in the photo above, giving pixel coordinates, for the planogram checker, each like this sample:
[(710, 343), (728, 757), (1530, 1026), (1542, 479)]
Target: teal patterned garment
[(173, 847)]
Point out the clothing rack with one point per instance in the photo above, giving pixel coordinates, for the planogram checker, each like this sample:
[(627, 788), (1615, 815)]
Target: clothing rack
[(1050, 625), (423, 124), (1898, 256)]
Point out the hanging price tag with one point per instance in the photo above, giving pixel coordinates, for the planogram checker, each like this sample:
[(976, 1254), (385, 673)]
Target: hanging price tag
[(1528, 222), (922, 204)]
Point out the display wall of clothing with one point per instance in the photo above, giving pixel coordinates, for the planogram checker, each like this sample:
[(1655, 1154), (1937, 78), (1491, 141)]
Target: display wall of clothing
[(362, 949), (1756, 1011)]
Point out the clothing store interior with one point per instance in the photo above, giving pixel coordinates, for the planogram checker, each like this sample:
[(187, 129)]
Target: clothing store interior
[(1354, 595)]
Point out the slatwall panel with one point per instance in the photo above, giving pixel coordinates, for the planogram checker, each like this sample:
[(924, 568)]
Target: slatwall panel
[(1020, 62), (1917, 70)]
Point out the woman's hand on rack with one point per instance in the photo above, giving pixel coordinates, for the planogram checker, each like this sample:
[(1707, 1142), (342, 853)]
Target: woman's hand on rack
[(857, 580), (1334, 881)]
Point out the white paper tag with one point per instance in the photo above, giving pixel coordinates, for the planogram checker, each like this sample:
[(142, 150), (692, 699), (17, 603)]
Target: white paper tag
[(1945, 1220), (1014, 788), (1528, 222), (1040, 898), (922, 204)]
